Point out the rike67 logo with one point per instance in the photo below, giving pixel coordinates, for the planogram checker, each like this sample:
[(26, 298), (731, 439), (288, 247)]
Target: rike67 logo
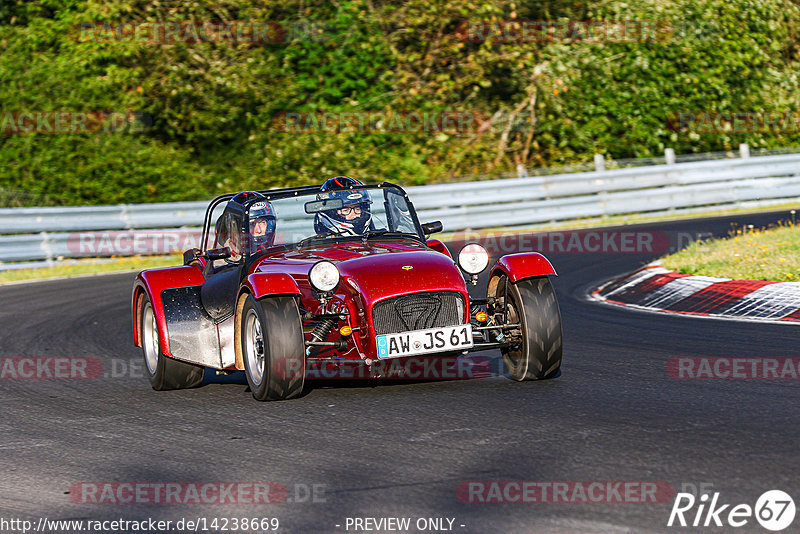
[(774, 510)]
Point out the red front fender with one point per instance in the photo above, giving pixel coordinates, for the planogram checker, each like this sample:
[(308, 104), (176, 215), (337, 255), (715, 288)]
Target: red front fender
[(438, 246), (267, 284), (152, 282), (523, 265)]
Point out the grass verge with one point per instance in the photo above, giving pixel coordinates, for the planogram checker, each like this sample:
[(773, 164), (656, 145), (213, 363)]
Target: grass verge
[(761, 254), (91, 266), (633, 218)]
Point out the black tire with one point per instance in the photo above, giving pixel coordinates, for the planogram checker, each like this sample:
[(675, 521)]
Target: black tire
[(273, 348), (164, 373), (532, 303)]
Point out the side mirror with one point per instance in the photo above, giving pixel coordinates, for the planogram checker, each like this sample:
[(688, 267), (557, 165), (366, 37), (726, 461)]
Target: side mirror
[(432, 227), (218, 254)]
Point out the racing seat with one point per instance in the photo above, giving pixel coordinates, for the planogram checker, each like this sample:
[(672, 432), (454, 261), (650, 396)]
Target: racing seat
[(218, 293)]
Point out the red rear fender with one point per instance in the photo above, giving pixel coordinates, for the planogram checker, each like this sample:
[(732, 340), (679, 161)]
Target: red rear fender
[(152, 283)]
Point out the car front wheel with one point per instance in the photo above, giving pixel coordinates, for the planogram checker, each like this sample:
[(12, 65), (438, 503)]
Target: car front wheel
[(534, 347)]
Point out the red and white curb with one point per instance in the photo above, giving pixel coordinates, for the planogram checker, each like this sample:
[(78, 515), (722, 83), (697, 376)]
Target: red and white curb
[(655, 288)]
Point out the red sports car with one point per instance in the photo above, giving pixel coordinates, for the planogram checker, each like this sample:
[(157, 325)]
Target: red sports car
[(326, 276)]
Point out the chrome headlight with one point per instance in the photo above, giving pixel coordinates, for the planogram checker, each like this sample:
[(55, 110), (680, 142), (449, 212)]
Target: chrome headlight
[(324, 276), (473, 258)]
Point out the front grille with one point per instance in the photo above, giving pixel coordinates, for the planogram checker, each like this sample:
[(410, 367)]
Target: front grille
[(418, 312)]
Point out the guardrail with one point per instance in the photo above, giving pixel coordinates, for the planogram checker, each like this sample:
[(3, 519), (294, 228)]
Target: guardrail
[(45, 235)]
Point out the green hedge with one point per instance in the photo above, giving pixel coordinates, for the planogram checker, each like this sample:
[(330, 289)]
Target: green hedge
[(212, 110)]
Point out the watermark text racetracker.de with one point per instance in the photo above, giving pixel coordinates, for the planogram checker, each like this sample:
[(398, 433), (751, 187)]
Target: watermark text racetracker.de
[(733, 122), (733, 368), (516, 31), (103, 526), (545, 31), (69, 368), (51, 367), (601, 241), (203, 493), (386, 121), (465, 367), (130, 242), (563, 492), (193, 32), (16, 122)]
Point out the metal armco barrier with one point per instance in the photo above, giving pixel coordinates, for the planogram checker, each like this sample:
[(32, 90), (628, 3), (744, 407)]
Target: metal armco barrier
[(38, 236)]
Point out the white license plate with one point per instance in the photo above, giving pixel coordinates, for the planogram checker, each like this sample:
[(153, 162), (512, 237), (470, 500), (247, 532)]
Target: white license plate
[(424, 341)]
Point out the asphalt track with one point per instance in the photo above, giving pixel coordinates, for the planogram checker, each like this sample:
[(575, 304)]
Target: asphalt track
[(401, 450)]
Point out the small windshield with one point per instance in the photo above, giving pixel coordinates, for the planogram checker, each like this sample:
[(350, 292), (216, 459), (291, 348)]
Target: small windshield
[(343, 213), (228, 234)]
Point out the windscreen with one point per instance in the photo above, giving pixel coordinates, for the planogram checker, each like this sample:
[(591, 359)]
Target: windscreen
[(211, 239), (341, 214)]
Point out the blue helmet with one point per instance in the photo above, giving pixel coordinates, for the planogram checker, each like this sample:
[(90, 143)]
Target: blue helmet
[(354, 202)]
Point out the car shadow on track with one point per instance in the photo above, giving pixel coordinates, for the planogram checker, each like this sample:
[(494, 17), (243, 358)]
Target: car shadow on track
[(395, 372)]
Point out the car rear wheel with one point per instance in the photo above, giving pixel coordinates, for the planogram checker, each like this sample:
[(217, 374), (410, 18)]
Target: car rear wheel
[(273, 348), (535, 347), (165, 373)]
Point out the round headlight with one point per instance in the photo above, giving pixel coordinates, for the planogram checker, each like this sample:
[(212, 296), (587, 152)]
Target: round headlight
[(473, 258), (324, 276)]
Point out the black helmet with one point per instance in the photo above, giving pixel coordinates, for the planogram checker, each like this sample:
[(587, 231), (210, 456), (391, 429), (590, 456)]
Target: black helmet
[(261, 211), (334, 222)]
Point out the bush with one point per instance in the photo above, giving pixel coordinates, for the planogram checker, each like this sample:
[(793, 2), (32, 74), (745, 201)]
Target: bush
[(216, 106)]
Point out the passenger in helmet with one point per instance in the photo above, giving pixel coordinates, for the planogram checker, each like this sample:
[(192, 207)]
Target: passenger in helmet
[(353, 218), (262, 226)]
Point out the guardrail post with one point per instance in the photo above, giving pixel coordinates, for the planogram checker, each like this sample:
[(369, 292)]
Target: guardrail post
[(125, 216), (522, 172), (599, 162), (744, 150), (46, 248), (669, 155)]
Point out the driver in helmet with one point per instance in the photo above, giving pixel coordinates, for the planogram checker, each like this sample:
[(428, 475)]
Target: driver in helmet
[(353, 218), (262, 226)]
